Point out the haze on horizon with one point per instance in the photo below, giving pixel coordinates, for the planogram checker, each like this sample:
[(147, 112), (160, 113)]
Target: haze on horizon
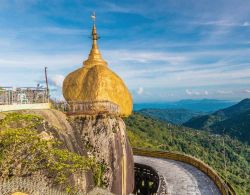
[(164, 50)]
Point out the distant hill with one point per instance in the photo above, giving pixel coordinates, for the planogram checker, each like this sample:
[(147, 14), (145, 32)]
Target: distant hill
[(148, 133), (175, 116), (203, 105), (234, 121)]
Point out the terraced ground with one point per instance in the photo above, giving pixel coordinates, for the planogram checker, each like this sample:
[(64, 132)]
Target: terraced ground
[(181, 178)]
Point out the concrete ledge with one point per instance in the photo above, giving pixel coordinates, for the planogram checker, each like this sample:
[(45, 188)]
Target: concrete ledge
[(4, 108)]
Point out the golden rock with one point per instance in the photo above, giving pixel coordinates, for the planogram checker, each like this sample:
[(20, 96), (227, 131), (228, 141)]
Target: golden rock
[(96, 82), (19, 193)]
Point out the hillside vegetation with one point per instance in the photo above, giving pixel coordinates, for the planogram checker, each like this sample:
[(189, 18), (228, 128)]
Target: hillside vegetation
[(233, 121), (24, 151), (145, 132)]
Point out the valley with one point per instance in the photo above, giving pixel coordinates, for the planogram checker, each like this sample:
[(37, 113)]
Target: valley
[(228, 156)]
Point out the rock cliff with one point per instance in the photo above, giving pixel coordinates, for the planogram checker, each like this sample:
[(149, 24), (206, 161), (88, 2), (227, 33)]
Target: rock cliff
[(105, 138), (101, 136)]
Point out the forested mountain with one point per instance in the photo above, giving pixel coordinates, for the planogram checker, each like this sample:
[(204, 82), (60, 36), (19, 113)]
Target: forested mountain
[(175, 116), (145, 132), (233, 121)]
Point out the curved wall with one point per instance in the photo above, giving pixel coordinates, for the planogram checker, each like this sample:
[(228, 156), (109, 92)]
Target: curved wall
[(223, 186)]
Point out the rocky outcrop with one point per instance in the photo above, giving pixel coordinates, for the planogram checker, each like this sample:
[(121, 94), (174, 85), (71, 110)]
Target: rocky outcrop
[(101, 136), (56, 126), (105, 138)]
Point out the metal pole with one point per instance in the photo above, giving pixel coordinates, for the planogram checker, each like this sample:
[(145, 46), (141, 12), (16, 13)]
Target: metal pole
[(46, 80)]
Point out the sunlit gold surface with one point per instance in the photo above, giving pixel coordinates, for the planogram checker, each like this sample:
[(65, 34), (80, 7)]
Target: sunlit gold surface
[(95, 57), (96, 82), (19, 193)]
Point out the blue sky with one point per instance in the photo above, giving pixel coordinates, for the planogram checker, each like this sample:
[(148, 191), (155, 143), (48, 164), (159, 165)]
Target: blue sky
[(164, 50)]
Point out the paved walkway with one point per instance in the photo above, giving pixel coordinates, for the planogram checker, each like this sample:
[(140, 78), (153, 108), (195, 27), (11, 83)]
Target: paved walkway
[(181, 178)]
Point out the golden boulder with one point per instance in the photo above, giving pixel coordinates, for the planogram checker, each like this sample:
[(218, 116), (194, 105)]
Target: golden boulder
[(95, 82)]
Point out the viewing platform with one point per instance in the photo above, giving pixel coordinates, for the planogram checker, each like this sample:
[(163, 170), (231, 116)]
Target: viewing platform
[(178, 174), (23, 98)]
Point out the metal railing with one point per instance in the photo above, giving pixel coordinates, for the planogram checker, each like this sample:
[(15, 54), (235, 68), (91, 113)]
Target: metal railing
[(224, 187), (147, 180), (23, 95), (92, 108)]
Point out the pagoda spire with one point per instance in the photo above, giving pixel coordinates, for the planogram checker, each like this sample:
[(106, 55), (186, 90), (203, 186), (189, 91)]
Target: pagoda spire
[(95, 57), (94, 33)]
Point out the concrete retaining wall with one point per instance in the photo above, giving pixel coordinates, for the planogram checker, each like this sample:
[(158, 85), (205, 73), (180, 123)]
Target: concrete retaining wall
[(4, 108)]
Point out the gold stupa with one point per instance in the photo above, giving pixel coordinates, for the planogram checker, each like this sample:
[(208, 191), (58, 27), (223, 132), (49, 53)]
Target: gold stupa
[(96, 82)]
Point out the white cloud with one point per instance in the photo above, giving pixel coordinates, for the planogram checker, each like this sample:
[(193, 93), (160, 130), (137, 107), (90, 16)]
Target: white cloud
[(140, 90), (247, 90), (188, 92), (191, 92), (218, 23), (141, 56), (174, 69), (225, 23), (224, 92), (221, 73), (196, 92), (57, 80), (246, 24), (50, 30), (33, 60), (175, 58), (112, 7)]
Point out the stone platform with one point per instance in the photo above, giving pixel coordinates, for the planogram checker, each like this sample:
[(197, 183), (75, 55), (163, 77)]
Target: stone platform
[(181, 178)]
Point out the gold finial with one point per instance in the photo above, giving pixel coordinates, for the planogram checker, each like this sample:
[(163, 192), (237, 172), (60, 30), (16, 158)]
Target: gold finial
[(94, 33), (95, 57)]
